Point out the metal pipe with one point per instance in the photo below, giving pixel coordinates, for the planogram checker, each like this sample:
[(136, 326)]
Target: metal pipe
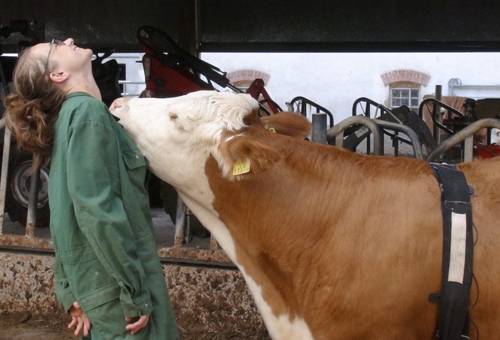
[(131, 82), (187, 226), (357, 120), (469, 148), (435, 117), (33, 203), (2, 123), (319, 109), (462, 134), (180, 216), (303, 108), (213, 243), (319, 128), (395, 144), (368, 139), (383, 110), (179, 261), (415, 142), (197, 26), (339, 139), (441, 104), (3, 175)]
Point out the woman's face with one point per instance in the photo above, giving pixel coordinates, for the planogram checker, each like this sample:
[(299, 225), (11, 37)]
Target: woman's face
[(64, 56)]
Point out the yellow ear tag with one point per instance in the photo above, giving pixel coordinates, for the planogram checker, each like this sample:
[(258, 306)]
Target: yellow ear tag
[(271, 129), (241, 167)]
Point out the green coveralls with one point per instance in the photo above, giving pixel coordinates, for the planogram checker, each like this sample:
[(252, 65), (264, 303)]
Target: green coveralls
[(101, 225)]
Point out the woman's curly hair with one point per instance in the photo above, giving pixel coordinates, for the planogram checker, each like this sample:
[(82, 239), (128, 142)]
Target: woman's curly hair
[(32, 107)]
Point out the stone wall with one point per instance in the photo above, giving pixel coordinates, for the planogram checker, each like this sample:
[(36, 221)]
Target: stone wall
[(209, 303)]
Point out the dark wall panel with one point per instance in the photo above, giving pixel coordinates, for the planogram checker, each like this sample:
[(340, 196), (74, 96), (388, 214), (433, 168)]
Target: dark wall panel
[(350, 25), (273, 25), (98, 22)]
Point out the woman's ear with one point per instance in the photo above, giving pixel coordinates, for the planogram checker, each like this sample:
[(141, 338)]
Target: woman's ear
[(58, 77), (288, 123)]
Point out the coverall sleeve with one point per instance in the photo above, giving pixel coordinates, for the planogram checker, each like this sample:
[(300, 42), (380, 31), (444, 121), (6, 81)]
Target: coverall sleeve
[(93, 182), (62, 290)]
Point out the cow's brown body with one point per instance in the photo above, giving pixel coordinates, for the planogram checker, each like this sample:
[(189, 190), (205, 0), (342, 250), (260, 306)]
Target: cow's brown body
[(334, 245), (353, 243)]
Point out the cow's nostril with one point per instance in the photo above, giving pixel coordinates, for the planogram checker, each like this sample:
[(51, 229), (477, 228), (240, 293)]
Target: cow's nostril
[(173, 115)]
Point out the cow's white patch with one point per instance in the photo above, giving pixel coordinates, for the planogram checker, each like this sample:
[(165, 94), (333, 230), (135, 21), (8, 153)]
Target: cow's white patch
[(457, 251), (279, 327), (177, 147)]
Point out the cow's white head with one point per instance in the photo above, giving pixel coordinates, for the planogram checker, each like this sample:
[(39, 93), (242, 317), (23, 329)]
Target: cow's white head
[(177, 135)]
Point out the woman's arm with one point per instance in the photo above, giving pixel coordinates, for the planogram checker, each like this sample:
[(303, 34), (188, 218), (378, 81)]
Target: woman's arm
[(62, 289)]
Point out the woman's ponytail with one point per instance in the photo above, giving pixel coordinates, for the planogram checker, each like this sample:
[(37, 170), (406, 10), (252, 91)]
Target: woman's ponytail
[(32, 108)]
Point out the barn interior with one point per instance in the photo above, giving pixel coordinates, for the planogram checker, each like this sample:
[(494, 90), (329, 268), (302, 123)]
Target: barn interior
[(202, 280)]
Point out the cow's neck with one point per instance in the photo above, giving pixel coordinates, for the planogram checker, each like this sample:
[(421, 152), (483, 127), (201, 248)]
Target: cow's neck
[(279, 311), (267, 258), (274, 309)]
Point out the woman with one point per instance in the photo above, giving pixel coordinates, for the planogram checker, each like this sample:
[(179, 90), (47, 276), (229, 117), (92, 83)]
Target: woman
[(107, 273)]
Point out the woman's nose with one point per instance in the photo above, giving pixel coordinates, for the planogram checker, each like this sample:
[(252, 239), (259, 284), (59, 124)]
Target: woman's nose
[(69, 41)]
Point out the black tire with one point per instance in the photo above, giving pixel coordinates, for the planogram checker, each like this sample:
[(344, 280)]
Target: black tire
[(17, 196)]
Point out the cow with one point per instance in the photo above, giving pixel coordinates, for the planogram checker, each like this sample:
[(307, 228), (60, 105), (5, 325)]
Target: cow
[(332, 244)]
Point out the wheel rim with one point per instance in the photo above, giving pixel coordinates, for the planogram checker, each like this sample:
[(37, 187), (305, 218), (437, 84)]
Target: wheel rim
[(22, 181)]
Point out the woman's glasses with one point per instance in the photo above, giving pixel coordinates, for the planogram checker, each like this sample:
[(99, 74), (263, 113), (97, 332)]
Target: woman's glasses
[(53, 42)]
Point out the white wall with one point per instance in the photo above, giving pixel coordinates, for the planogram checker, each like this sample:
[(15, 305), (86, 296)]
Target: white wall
[(335, 80)]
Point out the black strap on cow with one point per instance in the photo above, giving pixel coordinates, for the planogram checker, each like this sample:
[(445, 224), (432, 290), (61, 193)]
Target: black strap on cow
[(453, 300)]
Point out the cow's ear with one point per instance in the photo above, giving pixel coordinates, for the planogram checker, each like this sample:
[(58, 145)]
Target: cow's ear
[(288, 123), (241, 156)]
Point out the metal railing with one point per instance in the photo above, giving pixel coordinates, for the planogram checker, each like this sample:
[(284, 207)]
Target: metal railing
[(335, 135), (437, 114), (383, 113), (465, 135), (306, 106), (380, 109)]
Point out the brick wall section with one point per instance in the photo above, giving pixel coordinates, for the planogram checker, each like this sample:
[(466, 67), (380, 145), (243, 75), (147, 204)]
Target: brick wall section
[(247, 76), (405, 76)]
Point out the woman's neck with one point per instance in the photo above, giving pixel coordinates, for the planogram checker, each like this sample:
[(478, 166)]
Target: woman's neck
[(83, 83)]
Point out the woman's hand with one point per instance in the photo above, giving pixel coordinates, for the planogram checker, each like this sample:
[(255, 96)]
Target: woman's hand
[(134, 326), (79, 320)]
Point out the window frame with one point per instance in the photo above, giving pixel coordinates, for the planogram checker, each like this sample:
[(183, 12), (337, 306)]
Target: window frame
[(401, 98)]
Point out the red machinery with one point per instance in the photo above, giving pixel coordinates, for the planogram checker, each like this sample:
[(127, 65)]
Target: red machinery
[(487, 151), (171, 71), (452, 121)]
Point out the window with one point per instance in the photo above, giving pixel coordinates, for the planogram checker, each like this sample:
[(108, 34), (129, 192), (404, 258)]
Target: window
[(404, 96)]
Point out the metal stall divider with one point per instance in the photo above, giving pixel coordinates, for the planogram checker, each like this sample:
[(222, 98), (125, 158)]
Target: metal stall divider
[(467, 135), (4, 173)]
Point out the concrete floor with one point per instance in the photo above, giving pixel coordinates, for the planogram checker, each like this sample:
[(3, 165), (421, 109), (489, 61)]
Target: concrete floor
[(24, 326), (163, 227)]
